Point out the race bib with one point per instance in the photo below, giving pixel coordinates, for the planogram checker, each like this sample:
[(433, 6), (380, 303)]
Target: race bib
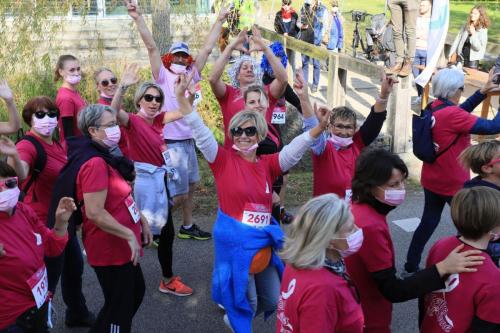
[(132, 209), (256, 215), (39, 285), (278, 116), (348, 196), (166, 155), (197, 94)]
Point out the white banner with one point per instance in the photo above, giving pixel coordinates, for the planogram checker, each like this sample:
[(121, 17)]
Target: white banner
[(438, 30)]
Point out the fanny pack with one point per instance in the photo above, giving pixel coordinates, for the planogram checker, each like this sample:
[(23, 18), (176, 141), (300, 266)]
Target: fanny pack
[(34, 320)]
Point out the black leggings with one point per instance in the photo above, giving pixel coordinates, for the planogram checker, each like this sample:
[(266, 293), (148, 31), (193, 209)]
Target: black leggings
[(166, 246)]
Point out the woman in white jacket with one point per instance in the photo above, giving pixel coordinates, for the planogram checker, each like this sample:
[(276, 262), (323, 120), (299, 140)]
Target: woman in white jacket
[(470, 44)]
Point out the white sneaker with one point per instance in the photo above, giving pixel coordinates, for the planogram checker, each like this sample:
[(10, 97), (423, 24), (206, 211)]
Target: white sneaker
[(228, 324)]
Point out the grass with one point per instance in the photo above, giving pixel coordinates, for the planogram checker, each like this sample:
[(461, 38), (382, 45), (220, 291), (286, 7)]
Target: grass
[(458, 14)]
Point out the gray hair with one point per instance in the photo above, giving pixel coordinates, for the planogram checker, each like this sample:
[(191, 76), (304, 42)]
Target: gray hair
[(91, 115), (316, 224), (141, 91), (99, 71), (248, 115), (447, 82), (234, 70)]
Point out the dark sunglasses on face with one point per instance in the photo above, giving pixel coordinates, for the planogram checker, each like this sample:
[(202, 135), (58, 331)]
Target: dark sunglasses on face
[(249, 131), (50, 113), (8, 183), (105, 83), (149, 98)]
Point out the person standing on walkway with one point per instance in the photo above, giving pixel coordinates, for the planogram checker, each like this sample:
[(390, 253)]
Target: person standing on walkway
[(312, 28), (177, 135), (378, 187), (404, 15), (285, 23), (423, 25), (317, 294), (336, 30), (453, 125)]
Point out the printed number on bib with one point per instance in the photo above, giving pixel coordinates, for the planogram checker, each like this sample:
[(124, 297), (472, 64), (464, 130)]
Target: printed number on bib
[(39, 285), (256, 215), (278, 116), (132, 208)]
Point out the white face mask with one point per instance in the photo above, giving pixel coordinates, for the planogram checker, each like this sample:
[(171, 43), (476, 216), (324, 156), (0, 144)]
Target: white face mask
[(73, 79), (44, 126), (354, 242), (113, 136), (9, 199), (178, 69)]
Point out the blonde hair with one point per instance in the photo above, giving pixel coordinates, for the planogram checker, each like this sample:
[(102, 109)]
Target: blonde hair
[(317, 222), (141, 91), (475, 157), (257, 89), (247, 115)]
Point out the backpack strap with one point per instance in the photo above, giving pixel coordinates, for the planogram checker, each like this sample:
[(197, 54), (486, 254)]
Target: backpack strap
[(40, 162)]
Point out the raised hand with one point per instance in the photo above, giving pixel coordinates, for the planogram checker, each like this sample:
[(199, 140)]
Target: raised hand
[(240, 40), (5, 92), (258, 43), (7, 147), (130, 76), (223, 12), (65, 208), (182, 84), (490, 85), (387, 84), (299, 85), (323, 114), (132, 8)]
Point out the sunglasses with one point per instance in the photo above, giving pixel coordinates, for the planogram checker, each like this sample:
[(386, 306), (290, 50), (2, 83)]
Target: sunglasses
[(8, 183), (149, 98), (106, 83), (249, 131), (50, 113)]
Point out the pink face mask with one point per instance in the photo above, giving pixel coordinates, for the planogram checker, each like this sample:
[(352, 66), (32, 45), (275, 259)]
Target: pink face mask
[(394, 197), (106, 96), (73, 79), (339, 141), (113, 136), (9, 198), (354, 242), (44, 126), (247, 151), (148, 116)]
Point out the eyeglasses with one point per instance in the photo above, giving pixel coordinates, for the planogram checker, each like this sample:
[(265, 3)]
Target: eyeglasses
[(51, 113), (113, 124), (249, 131), (149, 98), (8, 183), (105, 83), (343, 127)]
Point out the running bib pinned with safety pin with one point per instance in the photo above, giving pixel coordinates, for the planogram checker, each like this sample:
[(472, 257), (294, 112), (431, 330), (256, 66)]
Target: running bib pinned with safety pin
[(39, 285), (132, 208), (256, 215), (278, 116)]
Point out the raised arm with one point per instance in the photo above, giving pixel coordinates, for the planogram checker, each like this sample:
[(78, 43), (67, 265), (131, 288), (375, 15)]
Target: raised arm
[(8, 148), (213, 36), (278, 85), (129, 77), (202, 135), (14, 122), (215, 78), (146, 36)]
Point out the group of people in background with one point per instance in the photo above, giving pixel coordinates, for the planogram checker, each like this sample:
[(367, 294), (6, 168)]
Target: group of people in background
[(117, 175)]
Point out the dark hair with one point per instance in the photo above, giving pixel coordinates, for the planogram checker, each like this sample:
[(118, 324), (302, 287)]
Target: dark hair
[(36, 104), (475, 211), (6, 170), (60, 65), (374, 168)]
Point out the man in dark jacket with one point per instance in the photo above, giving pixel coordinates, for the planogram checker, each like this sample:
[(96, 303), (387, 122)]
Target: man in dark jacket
[(285, 23)]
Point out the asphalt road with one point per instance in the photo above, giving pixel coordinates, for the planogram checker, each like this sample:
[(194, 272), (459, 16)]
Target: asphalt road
[(193, 262)]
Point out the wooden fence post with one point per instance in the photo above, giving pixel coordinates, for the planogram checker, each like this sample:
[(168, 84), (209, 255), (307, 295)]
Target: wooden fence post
[(399, 116), (337, 82)]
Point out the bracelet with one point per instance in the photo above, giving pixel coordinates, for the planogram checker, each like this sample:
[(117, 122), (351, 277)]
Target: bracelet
[(381, 100)]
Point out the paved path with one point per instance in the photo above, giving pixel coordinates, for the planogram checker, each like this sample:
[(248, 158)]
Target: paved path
[(193, 261)]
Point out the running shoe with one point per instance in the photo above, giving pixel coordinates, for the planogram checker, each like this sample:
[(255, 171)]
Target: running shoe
[(175, 287), (194, 232)]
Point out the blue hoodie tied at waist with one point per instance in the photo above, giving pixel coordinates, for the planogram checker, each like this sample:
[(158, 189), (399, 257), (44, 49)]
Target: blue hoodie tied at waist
[(235, 246)]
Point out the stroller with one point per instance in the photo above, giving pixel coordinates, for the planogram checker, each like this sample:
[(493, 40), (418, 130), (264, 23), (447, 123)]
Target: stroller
[(379, 41)]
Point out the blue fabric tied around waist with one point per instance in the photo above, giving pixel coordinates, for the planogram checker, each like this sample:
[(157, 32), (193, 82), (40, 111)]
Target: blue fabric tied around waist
[(235, 246)]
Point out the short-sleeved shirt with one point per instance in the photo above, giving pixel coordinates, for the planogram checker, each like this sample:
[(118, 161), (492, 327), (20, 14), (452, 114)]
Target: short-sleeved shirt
[(40, 192), (26, 241), (376, 254), (145, 140), (333, 170), (70, 103), (176, 130), (446, 175), (466, 295), (241, 183), (103, 248), (317, 301), (123, 143), (233, 102)]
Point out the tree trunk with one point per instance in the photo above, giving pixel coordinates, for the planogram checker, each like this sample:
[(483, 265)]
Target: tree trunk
[(161, 24)]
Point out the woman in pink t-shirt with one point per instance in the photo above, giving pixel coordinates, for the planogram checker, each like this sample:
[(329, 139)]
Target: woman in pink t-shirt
[(317, 295), (68, 100)]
